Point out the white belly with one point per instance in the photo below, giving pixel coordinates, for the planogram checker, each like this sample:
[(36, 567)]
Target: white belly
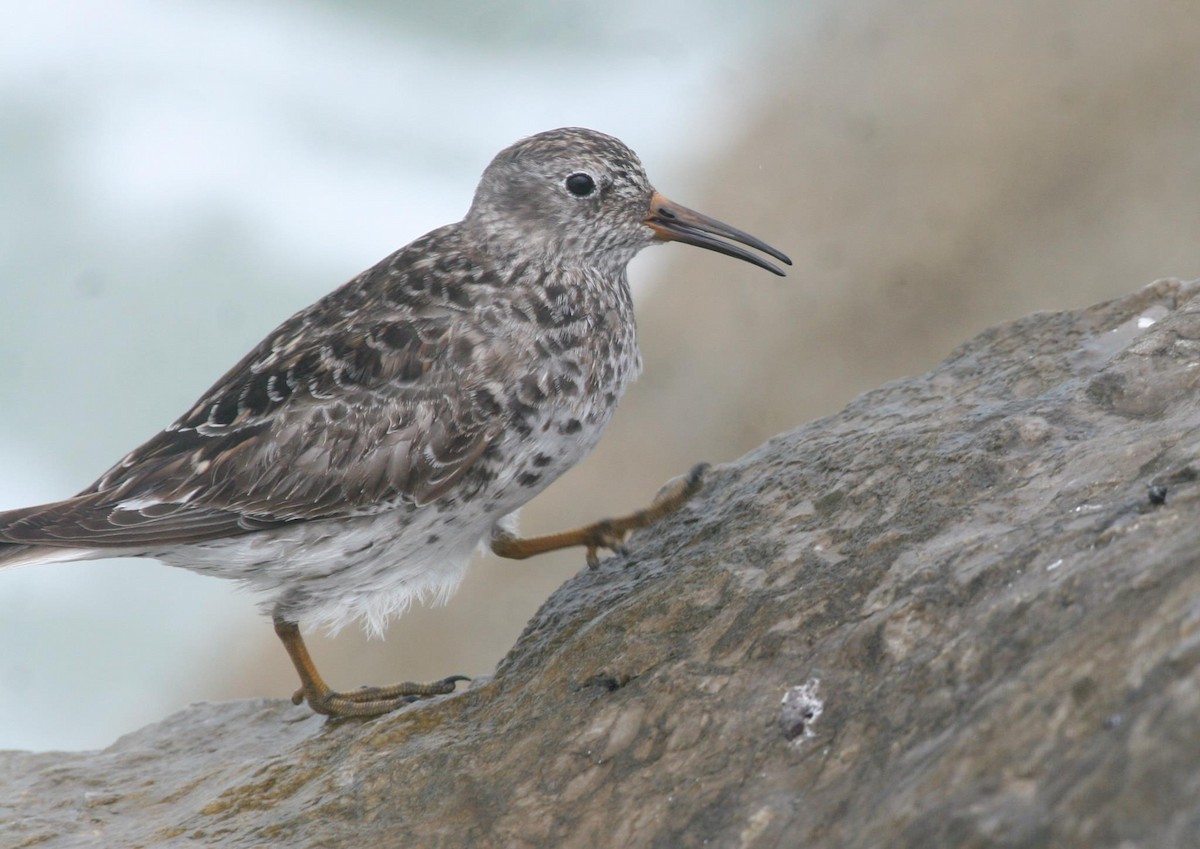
[(329, 573)]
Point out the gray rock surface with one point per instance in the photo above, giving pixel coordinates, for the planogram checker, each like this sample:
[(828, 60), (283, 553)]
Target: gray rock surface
[(951, 615)]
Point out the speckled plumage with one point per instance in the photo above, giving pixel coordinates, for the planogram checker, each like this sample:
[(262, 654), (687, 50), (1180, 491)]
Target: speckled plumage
[(353, 460)]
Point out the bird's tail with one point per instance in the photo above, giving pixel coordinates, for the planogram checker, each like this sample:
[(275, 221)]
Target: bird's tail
[(19, 554), (14, 552)]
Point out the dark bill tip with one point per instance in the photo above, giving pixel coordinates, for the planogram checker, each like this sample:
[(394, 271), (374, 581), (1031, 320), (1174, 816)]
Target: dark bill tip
[(674, 223)]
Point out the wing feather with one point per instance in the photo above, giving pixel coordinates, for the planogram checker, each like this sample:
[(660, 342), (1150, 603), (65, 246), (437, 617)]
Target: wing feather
[(376, 397)]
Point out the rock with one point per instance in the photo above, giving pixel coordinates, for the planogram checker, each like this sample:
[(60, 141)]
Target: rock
[(954, 614)]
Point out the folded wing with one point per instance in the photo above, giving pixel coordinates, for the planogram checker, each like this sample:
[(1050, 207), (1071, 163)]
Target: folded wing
[(330, 416)]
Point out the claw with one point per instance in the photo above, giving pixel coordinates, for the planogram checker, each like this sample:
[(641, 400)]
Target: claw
[(604, 535), (373, 701), (679, 490)]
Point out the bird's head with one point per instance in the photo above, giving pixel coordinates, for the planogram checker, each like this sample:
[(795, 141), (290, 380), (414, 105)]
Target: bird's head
[(579, 197)]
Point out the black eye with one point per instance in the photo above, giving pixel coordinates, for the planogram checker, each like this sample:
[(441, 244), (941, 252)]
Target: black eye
[(581, 185)]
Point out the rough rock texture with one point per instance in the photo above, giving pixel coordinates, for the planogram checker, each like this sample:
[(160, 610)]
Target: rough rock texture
[(963, 612)]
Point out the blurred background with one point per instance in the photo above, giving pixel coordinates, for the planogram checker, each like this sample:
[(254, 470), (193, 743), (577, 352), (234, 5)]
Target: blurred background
[(176, 179)]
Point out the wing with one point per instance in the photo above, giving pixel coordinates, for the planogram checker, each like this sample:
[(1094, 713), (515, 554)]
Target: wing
[(375, 397)]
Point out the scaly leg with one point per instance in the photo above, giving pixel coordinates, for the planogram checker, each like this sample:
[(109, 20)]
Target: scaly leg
[(369, 701), (607, 533)]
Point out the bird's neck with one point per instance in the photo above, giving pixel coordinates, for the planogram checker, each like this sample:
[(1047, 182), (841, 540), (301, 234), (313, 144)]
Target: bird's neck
[(508, 251)]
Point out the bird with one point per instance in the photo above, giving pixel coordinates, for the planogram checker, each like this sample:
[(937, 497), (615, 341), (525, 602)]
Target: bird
[(352, 462)]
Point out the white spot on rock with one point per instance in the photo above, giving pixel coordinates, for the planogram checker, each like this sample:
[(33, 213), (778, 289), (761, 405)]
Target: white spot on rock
[(801, 709)]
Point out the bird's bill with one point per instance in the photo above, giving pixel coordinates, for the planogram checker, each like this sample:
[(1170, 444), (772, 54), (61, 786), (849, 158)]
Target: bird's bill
[(674, 223)]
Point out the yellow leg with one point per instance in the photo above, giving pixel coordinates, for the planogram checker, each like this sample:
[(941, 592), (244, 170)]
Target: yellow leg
[(369, 701), (607, 533)]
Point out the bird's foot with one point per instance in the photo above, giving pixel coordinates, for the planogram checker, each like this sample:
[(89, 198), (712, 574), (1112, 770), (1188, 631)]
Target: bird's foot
[(607, 533), (372, 701)]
